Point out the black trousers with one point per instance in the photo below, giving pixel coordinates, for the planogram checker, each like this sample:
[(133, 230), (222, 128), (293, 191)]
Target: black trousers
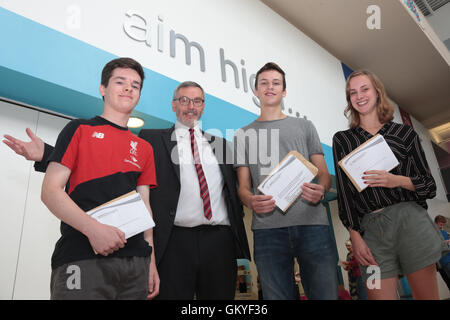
[(199, 262)]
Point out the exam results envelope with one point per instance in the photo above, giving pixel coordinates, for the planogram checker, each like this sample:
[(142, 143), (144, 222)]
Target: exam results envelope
[(127, 213), (374, 154), (284, 182)]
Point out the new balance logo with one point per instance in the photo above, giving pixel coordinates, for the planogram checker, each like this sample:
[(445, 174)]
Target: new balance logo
[(98, 135)]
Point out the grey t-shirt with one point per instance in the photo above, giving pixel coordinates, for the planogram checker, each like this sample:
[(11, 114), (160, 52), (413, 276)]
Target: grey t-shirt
[(260, 146)]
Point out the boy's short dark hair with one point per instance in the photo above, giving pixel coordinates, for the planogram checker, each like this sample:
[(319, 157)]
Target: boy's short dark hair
[(121, 63), (270, 66)]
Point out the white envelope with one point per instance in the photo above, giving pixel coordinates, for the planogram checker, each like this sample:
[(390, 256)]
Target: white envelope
[(374, 154), (284, 182), (127, 213)]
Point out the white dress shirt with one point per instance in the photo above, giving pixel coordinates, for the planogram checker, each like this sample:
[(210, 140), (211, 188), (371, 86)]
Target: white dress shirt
[(190, 204)]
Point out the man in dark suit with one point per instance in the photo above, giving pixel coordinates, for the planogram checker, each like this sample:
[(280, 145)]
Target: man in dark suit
[(199, 230), (195, 253)]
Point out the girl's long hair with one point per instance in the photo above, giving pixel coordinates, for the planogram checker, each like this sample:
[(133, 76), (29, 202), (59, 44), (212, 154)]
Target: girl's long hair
[(384, 107)]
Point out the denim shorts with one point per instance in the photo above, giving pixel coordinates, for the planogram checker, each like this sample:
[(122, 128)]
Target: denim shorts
[(402, 238), (101, 279)]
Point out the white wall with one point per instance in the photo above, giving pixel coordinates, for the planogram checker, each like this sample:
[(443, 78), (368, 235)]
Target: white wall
[(246, 29), (440, 21), (438, 205), (426, 140), (13, 194), (28, 231)]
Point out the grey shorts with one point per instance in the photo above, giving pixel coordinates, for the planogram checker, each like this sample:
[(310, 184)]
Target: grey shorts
[(402, 238), (101, 279)]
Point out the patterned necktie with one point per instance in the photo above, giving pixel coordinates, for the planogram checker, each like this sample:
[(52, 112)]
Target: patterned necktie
[(204, 192)]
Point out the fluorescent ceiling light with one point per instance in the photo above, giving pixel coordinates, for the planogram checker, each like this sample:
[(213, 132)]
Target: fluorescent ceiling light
[(135, 122)]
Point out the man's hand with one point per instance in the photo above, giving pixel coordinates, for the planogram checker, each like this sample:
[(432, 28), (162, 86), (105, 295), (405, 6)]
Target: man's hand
[(258, 203), (153, 280), (312, 192), (262, 204), (153, 276), (33, 150), (105, 239)]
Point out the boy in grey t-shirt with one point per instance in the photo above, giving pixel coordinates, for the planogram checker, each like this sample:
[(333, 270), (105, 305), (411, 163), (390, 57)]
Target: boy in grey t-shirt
[(302, 232)]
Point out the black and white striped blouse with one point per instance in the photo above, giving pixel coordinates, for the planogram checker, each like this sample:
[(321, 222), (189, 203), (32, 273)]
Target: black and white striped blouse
[(405, 144)]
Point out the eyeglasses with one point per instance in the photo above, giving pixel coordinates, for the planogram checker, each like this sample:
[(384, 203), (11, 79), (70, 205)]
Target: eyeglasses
[(185, 101)]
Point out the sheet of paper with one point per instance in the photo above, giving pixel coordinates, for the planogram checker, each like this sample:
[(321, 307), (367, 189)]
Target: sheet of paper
[(284, 183), (374, 154), (127, 213)]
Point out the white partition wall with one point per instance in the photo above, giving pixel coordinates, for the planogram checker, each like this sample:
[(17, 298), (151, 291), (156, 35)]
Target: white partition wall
[(40, 228), (14, 173), (28, 231)]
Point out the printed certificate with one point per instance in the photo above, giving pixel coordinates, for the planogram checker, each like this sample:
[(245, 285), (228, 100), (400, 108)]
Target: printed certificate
[(284, 182), (374, 154), (127, 213)]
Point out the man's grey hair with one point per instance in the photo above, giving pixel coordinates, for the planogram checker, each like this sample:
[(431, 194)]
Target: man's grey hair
[(187, 84)]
